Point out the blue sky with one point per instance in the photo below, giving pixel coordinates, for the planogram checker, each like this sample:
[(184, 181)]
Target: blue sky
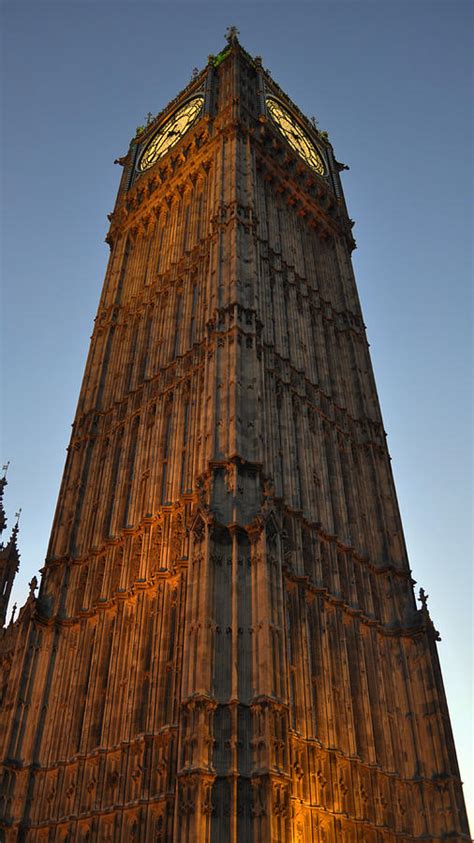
[(391, 83)]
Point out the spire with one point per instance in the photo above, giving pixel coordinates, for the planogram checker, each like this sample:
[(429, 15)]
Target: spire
[(3, 483)]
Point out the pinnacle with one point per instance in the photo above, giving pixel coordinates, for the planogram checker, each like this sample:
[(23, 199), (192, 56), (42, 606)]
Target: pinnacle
[(3, 518), (231, 34), (10, 551), (3, 483)]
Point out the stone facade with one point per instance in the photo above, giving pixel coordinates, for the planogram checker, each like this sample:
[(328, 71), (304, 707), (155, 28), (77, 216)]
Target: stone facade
[(226, 647)]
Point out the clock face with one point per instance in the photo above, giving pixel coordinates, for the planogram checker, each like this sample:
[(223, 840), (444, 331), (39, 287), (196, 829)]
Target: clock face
[(295, 135), (171, 132)]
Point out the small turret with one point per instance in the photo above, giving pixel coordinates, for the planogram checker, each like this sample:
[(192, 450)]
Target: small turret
[(9, 564)]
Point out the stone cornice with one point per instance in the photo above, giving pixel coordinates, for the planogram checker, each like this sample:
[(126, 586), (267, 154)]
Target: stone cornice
[(267, 702), (172, 576), (363, 431), (336, 601)]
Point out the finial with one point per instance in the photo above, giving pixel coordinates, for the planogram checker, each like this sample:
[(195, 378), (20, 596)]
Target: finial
[(5, 469), (17, 516), (231, 34), (12, 618), (195, 73), (33, 585), (313, 121), (423, 598), (149, 118)]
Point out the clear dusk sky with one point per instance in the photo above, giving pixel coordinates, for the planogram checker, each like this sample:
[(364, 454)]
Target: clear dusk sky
[(392, 84)]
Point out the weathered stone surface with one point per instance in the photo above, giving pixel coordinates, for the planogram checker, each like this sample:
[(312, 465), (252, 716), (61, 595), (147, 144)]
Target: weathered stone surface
[(226, 645)]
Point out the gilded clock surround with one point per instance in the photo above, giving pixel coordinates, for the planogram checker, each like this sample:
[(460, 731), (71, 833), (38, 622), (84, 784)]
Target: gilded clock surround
[(295, 135), (171, 132)]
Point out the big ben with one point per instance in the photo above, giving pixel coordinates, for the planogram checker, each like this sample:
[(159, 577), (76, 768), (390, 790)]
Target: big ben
[(226, 646)]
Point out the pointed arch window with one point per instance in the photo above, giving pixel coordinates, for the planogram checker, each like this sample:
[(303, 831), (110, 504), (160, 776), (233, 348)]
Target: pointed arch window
[(131, 357), (146, 349), (130, 471), (177, 325), (184, 452), (123, 271), (112, 491), (192, 320), (165, 478)]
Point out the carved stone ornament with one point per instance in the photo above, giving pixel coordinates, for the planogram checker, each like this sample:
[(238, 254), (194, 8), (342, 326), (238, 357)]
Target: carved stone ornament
[(226, 645)]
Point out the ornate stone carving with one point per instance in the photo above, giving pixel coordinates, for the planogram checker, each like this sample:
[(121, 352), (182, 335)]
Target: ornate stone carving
[(246, 648)]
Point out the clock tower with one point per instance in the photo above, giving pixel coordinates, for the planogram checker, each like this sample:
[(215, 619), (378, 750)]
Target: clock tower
[(226, 647)]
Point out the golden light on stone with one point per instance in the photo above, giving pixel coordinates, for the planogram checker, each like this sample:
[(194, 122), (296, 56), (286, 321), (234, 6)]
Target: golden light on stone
[(295, 135), (226, 645), (171, 132)]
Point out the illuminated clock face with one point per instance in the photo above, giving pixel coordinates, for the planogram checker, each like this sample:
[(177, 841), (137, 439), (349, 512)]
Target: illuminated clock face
[(171, 132), (295, 135)]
